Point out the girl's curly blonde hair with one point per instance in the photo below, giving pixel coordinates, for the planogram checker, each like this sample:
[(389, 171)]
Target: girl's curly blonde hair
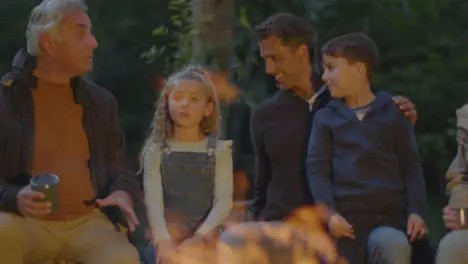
[(162, 125)]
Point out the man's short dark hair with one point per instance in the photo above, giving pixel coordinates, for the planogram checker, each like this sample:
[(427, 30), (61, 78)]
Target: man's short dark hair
[(291, 29), (354, 47)]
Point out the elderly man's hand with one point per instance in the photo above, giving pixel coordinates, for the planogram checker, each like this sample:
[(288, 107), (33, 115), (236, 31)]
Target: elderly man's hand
[(32, 203), (122, 200)]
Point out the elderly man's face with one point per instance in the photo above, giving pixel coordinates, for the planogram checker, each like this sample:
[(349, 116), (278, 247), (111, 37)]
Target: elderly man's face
[(73, 50)]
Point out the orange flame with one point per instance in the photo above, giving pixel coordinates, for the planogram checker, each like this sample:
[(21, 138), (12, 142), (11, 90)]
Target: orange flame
[(303, 234)]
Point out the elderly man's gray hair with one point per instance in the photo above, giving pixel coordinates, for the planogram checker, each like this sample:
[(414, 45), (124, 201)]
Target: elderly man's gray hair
[(45, 17)]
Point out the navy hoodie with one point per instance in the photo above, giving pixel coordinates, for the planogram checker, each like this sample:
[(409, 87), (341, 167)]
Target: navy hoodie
[(365, 167)]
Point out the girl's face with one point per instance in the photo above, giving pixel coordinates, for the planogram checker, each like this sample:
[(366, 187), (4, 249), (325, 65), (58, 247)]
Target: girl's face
[(188, 103)]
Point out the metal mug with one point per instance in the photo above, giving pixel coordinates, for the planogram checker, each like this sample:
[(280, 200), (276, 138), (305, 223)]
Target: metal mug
[(47, 184)]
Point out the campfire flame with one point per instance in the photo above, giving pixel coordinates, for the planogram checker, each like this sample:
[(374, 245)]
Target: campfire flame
[(302, 234), (301, 239)]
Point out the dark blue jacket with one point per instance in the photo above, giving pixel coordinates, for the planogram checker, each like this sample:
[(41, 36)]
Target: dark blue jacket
[(369, 166)]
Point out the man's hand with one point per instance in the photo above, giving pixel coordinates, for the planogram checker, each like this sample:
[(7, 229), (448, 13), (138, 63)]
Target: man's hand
[(32, 203), (450, 219), (122, 200), (407, 107), (416, 227), (339, 227)]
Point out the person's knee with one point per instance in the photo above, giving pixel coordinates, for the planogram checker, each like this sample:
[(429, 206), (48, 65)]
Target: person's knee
[(453, 247), (12, 238), (122, 254), (11, 230), (126, 253), (112, 252), (389, 244)]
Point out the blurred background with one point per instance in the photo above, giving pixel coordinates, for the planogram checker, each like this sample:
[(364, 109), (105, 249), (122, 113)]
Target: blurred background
[(424, 47)]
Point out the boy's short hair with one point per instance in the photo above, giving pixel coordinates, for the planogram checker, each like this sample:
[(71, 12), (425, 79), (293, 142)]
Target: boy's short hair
[(354, 47), (291, 29)]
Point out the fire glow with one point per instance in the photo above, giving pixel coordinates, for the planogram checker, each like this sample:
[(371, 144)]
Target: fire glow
[(301, 239)]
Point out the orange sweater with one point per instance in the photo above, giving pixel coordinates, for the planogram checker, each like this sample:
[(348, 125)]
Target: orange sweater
[(61, 147)]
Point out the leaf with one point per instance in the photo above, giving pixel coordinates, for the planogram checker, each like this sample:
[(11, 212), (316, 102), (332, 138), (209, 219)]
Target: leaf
[(159, 31), (244, 21)]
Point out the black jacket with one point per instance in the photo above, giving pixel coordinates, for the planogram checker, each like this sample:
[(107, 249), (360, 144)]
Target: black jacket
[(280, 130), (107, 164)]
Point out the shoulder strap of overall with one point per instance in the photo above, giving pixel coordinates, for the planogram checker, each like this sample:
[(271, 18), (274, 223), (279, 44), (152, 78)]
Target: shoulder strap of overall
[(211, 145), (165, 148)]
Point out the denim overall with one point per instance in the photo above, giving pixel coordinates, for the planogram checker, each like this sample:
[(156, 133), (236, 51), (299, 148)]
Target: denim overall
[(188, 188), (188, 191)]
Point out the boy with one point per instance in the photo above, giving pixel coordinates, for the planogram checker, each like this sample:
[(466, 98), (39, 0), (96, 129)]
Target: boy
[(363, 161)]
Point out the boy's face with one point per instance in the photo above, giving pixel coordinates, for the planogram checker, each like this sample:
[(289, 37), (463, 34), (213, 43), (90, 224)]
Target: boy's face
[(343, 78)]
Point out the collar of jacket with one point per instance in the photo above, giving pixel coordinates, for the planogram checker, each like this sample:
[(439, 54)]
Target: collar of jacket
[(22, 80)]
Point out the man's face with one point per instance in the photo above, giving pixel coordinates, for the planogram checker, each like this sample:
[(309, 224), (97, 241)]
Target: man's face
[(340, 76), (73, 49), (281, 62)]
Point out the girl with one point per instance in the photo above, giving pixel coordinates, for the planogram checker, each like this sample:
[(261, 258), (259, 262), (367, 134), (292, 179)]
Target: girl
[(187, 171)]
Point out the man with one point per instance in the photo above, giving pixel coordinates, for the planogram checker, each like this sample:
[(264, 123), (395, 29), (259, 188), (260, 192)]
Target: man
[(53, 121), (281, 125), (453, 247)]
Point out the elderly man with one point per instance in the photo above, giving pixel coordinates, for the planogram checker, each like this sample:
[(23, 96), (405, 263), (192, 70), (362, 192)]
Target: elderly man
[(53, 121)]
